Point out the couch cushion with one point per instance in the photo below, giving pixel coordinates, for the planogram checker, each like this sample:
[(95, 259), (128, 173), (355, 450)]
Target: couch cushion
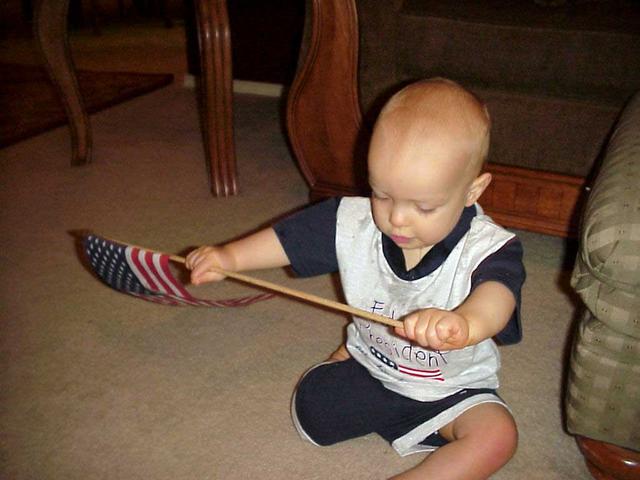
[(607, 271), (561, 135), (604, 15), (587, 51), (554, 79)]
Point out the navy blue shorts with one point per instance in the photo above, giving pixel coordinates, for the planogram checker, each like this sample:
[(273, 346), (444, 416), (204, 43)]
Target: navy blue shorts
[(339, 401)]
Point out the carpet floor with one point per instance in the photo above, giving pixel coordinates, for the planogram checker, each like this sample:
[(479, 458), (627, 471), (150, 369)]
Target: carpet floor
[(30, 104), (95, 384)]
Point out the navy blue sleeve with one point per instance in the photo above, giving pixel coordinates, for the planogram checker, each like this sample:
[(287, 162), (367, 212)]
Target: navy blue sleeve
[(309, 238), (505, 266)]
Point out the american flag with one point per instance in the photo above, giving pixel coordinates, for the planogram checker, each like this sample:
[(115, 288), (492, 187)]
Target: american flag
[(146, 274)]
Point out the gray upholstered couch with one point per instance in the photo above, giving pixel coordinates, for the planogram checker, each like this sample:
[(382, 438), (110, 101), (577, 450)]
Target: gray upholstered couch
[(603, 391)]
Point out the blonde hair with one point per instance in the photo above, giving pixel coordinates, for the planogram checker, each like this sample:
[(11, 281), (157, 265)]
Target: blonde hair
[(437, 105)]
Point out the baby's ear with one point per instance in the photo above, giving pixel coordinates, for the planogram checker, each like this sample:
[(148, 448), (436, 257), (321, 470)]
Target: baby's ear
[(478, 186)]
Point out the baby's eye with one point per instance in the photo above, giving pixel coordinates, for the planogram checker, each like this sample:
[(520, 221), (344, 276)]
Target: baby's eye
[(424, 209)]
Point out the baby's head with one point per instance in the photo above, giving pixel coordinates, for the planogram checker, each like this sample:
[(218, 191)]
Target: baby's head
[(425, 160)]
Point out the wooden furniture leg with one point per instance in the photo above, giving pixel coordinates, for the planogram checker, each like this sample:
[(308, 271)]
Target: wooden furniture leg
[(324, 120), (50, 30), (609, 462), (217, 94)]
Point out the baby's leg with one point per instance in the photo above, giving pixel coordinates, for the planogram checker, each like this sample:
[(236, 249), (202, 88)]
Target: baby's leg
[(482, 440)]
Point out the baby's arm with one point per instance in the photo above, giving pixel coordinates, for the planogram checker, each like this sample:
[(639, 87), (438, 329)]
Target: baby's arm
[(482, 315), (257, 251)]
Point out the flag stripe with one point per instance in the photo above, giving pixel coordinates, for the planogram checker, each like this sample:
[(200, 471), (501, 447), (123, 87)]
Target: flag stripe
[(146, 259), (152, 262), (162, 264), (138, 270)]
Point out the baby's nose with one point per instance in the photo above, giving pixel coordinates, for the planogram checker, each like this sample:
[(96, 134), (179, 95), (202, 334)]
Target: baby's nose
[(398, 217)]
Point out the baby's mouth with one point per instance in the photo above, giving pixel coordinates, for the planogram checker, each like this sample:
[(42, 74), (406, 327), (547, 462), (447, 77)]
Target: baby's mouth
[(400, 240)]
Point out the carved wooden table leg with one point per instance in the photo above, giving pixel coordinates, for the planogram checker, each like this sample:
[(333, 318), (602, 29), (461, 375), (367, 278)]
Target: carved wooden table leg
[(50, 29), (217, 94)]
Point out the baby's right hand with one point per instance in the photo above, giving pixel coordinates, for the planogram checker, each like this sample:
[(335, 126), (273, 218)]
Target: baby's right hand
[(202, 262)]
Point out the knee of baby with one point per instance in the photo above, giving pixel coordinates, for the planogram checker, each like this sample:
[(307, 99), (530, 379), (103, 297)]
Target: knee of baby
[(503, 441), (491, 433)]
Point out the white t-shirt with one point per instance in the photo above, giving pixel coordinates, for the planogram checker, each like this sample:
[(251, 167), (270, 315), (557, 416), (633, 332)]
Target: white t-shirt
[(370, 284)]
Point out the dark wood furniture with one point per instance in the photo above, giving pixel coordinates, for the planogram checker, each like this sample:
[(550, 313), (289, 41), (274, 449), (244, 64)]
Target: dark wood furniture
[(50, 26), (328, 135), (217, 95), (609, 462)]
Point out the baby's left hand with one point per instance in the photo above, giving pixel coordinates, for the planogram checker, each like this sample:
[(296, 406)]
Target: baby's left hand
[(435, 329)]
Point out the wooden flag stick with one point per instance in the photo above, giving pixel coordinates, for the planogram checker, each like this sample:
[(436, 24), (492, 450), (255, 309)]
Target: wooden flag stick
[(302, 295), (285, 290)]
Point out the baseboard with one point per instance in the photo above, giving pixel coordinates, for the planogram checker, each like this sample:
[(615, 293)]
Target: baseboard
[(257, 88), (244, 86)]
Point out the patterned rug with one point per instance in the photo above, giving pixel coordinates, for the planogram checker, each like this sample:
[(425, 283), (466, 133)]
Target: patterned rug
[(29, 104)]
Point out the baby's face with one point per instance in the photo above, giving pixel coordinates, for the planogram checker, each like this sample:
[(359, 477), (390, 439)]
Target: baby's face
[(419, 188)]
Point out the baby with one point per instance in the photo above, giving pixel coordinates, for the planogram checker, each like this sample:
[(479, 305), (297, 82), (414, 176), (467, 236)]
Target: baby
[(419, 250)]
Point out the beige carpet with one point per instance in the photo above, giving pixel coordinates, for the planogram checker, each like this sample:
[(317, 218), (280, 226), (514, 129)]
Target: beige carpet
[(98, 385)]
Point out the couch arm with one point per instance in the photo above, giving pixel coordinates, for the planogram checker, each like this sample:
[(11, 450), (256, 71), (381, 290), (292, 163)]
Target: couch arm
[(607, 271), (604, 372)]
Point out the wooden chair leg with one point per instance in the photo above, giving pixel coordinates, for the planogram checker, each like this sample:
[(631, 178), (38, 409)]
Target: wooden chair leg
[(50, 30), (217, 94)]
